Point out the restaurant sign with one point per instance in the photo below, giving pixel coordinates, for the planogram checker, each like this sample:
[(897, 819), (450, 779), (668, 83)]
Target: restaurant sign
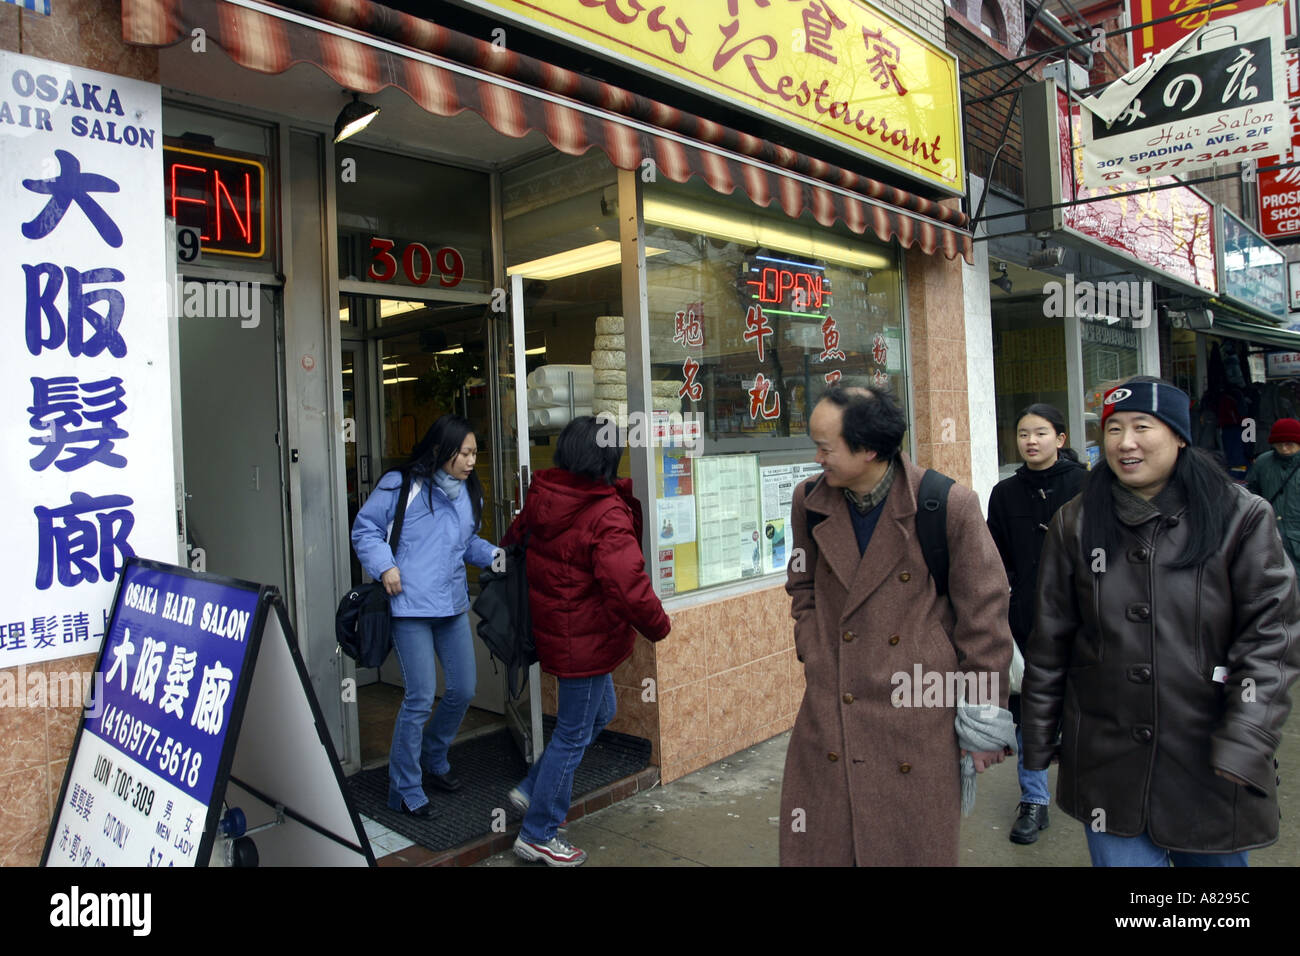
[(840, 70)]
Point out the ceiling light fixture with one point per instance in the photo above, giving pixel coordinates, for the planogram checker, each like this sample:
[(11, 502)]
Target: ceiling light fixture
[(750, 230), (598, 255), (353, 118)]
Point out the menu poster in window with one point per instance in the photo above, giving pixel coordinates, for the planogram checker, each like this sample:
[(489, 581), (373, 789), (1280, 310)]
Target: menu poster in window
[(677, 475), (727, 518), (152, 759), (676, 521), (778, 484)]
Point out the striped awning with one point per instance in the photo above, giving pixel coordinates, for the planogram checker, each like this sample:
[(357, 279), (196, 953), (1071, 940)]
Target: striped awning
[(365, 47)]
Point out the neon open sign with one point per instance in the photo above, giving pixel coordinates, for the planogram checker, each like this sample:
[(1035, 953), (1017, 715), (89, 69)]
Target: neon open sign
[(221, 196), (798, 287)]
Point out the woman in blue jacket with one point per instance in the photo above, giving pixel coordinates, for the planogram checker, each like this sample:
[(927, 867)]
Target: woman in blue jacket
[(429, 598)]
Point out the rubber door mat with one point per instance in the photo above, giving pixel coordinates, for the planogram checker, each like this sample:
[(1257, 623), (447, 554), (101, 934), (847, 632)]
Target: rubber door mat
[(488, 767)]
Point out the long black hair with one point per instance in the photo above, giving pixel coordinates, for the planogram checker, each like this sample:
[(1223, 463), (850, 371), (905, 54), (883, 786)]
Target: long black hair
[(1053, 416), (440, 444), (579, 449), (1196, 474)]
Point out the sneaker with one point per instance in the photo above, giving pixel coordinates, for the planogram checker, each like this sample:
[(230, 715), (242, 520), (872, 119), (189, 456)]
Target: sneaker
[(519, 800), (1033, 817), (555, 852)]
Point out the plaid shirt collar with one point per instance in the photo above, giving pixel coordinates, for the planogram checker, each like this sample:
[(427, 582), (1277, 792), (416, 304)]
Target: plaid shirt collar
[(865, 503)]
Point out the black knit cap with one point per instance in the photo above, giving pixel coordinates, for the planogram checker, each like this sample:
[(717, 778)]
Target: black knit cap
[(1166, 402)]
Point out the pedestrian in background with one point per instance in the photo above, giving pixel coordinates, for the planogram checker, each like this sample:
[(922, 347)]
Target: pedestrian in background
[(1272, 477), (1164, 645), (588, 590), (1019, 511)]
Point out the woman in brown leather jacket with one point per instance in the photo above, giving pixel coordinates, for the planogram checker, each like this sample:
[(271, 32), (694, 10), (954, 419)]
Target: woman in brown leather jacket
[(1165, 643)]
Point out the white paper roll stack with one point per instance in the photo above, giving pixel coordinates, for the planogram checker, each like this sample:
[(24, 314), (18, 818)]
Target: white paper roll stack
[(554, 375)]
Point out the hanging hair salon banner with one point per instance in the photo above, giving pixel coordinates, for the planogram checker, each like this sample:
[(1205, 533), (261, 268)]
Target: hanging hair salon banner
[(86, 391), (1215, 98)]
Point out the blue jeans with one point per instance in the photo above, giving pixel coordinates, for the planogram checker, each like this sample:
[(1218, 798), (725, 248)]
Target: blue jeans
[(584, 707), (1110, 850), (1033, 783), (419, 742)]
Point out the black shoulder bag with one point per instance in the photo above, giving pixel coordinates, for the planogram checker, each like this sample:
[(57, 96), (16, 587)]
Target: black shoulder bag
[(363, 622)]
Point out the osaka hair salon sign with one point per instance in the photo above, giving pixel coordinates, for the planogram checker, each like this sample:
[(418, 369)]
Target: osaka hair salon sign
[(1217, 97), (85, 394)]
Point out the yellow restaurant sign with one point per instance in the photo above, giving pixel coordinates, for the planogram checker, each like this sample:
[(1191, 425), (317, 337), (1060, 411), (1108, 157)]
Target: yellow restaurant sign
[(839, 69)]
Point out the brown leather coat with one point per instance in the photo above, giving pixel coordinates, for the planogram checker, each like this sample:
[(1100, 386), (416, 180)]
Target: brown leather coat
[(865, 781), (1126, 657)]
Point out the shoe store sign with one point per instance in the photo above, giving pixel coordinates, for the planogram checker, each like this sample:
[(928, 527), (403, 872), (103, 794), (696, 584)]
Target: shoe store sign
[(1217, 97)]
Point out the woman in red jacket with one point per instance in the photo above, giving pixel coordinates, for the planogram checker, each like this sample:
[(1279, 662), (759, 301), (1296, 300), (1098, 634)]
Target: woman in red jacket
[(587, 591)]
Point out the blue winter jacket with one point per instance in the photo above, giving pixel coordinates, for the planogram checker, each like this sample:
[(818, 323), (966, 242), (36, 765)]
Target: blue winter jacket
[(432, 551)]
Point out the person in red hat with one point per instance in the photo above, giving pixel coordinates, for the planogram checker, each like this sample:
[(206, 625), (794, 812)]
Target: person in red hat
[(1273, 477)]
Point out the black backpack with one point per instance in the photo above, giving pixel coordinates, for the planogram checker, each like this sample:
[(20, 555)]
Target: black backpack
[(931, 524), (363, 623), (504, 621)]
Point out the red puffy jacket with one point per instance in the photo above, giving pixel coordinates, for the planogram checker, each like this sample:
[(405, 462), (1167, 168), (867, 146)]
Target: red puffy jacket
[(586, 576)]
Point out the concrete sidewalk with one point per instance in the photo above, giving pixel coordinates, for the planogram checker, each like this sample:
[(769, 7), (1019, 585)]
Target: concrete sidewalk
[(727, 815)]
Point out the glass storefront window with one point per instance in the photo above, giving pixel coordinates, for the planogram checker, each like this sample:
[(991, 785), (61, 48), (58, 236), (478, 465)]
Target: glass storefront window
[(1112, 352), (751, 315), (409, 222), (1028, 367), (561, 236)]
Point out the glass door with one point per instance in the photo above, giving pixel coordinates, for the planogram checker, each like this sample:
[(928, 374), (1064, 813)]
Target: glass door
[(524, 715)]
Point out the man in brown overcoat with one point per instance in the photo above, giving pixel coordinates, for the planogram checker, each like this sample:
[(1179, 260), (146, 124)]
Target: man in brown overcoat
[(872, 773)]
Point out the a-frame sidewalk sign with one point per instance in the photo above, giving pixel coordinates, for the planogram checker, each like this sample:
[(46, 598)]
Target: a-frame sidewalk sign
[(203, 727)]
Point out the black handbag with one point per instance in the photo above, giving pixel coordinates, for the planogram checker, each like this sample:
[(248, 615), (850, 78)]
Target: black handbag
[(363, 623)]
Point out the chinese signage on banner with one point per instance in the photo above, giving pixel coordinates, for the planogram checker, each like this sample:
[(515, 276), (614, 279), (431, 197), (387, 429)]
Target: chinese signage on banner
[(148, 758), (1155, 37), (1218, 99), (1254, 271), (1279, 190), (1282, 364), (1171, 230), (839, 69), (87, 386)]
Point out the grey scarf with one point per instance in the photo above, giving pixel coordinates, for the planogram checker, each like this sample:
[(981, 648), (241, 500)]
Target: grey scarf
[(980, 728), (450, 485)]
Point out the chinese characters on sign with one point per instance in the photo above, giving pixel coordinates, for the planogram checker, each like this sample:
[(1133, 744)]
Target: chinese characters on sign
[(839, 69), (87, 377), (148, 757), (1217, 100)]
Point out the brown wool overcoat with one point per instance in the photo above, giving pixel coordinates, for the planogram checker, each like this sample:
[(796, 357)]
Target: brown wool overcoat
[(867, 782)]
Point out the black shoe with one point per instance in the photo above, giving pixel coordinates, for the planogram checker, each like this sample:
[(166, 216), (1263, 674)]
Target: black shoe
[(443, 781), (425, 812), (1033, 817)]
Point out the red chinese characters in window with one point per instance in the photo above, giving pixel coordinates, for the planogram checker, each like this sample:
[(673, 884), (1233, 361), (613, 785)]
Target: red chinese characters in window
[(758, 399), (879, 350), (688, 329), (756, 328), (830, 342), (832, 377), (883, 58), (690, 388)]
